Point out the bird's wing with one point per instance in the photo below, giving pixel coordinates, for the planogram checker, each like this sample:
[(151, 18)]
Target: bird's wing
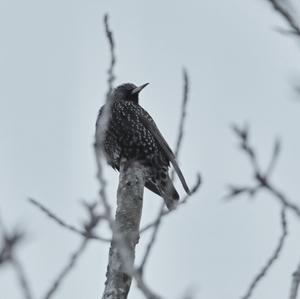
[(150, 125)]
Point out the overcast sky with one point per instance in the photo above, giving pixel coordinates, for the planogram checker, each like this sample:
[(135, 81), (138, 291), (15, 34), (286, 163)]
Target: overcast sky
[(53, 62)]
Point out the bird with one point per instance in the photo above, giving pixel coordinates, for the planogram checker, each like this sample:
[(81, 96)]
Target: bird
[(131, 134)]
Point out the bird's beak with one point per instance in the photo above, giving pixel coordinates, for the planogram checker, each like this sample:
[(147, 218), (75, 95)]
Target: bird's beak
[(138, 89)]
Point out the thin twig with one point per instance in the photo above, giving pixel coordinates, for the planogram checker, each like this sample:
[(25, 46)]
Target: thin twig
[(262, 180), (275, 255), (102, 126), (295, 283), (149, 294), (10, 241), (152, 239), (243, 135), (65, 225), (286, 15), (282, 198), (22, 278), (111, 42), (185, 97), (182, 202), (274, 158), (90, 225), (157, 222), (66, 270)]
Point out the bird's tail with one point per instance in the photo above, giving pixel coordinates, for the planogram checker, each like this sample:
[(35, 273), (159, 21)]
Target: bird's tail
[(170, 195), (164, 187)]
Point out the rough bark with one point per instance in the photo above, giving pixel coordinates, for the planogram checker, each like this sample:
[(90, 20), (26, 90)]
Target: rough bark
[(120, 267)]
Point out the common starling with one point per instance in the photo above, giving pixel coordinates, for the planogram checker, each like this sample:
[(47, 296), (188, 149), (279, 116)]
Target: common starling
[(132, 134)]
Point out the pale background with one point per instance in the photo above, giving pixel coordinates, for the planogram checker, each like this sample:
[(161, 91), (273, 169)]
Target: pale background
[(53, 62)]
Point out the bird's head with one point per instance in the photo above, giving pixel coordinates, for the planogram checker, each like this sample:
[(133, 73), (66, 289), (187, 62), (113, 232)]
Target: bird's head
[(127, 92)]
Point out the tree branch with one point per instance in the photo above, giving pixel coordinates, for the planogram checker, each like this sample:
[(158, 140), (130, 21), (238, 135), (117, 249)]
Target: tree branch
[(10, 240), (272, 259), (68, 267), (262, 182), (185, 98), (157, 222), (193, 190), (22, 278), (121, 256), (262, 178), (83, 233), (89, 226), (295, 283), (111, 77), (286, 16), (127, 222)]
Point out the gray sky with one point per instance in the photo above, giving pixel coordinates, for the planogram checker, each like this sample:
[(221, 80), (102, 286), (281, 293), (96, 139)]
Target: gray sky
[(53, 63)]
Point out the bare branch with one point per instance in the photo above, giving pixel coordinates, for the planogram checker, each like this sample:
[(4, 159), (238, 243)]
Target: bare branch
[(127, 220), (66, 270), (182, 202), (103, 121), (185, 97), (235, 191), (157, 222), (281, 197), (274, 158), (286, 16), (62, 223), (22, 278), (262, 180), (89, 227), (275, 255), (177, 148), (111, 42), (10, 240), (152, 240), (295, 283), (149, 294), (120, 268), (121, 256), (243, 134)]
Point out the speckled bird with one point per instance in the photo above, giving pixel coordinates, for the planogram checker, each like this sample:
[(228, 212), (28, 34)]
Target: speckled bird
[(132, 134)]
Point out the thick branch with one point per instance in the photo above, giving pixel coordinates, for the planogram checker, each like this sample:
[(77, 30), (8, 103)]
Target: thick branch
[(126, 231)]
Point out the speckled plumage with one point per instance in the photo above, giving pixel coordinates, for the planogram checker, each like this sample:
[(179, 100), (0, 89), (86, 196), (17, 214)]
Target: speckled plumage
[(132, 134)]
